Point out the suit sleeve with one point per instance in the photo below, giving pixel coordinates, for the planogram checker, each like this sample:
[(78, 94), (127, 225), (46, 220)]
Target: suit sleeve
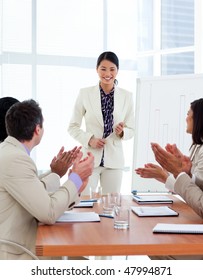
[(197, 168), (74, 127), (28, 190), (190, 192), (129, 119), (51, 181)]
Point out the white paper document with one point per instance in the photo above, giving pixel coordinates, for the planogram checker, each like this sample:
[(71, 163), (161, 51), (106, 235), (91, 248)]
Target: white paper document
[(148, 199), (178, 228), (69, 216), (84, 204), (147, 211)]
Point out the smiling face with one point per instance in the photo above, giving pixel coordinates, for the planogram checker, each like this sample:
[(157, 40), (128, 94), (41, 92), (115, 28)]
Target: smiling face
[(189, 121), (107, 72)]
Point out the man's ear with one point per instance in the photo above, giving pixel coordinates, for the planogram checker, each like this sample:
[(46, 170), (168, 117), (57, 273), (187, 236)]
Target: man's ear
[(37, 129)]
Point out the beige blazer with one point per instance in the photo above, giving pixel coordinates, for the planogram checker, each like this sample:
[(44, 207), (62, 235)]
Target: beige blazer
[(192, 192), (197, 162), (24, 199), (88, 106)]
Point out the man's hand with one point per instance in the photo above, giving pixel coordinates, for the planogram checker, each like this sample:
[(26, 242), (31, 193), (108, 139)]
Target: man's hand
[(64, 160), (84, 168)]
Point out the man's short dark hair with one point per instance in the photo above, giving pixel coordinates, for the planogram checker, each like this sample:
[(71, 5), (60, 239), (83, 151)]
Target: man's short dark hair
[(22, 118)]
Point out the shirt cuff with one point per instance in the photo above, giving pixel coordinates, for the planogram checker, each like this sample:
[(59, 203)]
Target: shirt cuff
[(75, 178), (169, 184), (193, 178), (181, 173)]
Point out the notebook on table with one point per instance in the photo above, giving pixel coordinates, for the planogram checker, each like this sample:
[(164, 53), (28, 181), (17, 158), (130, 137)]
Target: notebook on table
[(153, 211), (178, 228), (69, 216), (148, 199), (84, 204)]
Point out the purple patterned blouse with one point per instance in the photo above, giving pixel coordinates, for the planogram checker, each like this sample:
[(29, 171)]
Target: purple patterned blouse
[(107, 107)]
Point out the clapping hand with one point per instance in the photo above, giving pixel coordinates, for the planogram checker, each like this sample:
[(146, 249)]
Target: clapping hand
[(154, 171), (172, 159), (84, 168), (64, 160)]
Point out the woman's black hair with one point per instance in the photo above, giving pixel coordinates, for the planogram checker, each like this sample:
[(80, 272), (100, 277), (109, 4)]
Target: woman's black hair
[(108, 56), (197, 132), (5, 104)]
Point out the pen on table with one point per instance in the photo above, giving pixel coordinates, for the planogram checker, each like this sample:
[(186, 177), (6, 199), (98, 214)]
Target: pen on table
[(106, 216), (89, 200), (134, 192), (137, 196)]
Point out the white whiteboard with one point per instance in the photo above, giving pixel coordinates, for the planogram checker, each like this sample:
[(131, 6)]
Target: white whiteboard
[(162, 104)]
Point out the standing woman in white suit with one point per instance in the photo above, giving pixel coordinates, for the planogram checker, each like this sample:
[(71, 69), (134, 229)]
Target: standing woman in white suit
[(108, 112)]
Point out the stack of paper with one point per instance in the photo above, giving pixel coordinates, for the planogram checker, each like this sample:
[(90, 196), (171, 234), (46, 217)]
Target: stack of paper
[(147, 211), (69, 216), (84, 204), (178, 228), (148, 199)]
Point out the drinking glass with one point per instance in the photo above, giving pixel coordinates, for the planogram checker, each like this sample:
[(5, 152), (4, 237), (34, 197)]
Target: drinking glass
[(108, 205), (121, 217), (96, 193)]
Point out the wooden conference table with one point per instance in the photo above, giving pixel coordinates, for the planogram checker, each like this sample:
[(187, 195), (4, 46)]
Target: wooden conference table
[(101, 239)]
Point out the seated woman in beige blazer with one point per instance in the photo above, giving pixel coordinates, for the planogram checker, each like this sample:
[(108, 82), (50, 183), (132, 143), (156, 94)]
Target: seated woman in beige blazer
[(194, 122), (187, 172)]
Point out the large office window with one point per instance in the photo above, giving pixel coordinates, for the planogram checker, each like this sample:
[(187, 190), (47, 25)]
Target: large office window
[(166, 37), (69, 28), (49, 48), (16, 19)]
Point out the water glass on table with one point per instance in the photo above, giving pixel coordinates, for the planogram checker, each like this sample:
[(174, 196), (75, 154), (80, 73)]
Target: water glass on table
[(108, 205), (116, 198), (96, 193), (121, 217)]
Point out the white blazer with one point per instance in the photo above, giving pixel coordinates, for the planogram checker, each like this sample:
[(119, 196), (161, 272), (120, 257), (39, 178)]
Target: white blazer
[(88, 105)]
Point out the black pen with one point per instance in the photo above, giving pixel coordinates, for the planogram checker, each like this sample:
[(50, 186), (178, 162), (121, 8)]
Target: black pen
[(106, 216)]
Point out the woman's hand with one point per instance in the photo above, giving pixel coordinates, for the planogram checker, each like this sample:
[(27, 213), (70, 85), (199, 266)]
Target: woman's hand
[(97, 143), (119, 129), (153, 171)]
